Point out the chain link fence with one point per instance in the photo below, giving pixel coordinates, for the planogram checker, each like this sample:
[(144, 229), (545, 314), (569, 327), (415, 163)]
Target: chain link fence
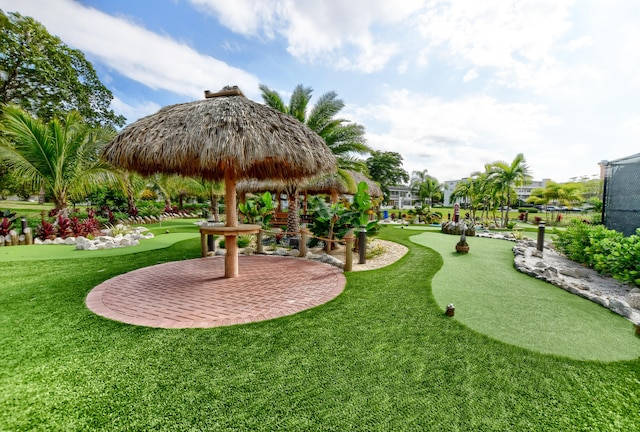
[(621, 210)]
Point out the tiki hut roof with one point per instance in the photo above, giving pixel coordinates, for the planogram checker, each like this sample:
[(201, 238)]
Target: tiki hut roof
[(374, 187), (205, 137), (338, 182), (343, 182)]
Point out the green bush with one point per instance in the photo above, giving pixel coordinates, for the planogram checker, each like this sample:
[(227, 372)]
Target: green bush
[(242, 241), (528, 210), (606, 251)]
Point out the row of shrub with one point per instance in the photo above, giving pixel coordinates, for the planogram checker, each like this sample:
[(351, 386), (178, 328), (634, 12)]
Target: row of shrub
[(607, 251)]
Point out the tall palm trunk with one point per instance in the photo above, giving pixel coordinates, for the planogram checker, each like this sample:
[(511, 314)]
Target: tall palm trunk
[(293, 219)]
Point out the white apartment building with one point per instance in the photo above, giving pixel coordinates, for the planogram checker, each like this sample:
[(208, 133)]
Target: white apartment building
[(400, 196)]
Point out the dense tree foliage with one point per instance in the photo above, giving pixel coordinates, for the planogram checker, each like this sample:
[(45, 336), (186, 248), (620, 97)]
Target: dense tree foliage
[(386, 169), (46, 77)]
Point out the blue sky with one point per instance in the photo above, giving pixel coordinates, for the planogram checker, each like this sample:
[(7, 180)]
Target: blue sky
[(450, 85)]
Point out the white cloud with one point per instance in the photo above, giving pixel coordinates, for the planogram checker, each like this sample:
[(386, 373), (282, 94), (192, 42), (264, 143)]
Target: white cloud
[(579, 43), (134, 111), (157, 61), (335, 32), (456, 137), (470, 75), (516, 38)]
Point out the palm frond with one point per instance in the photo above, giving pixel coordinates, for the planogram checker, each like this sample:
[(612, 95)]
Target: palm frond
[(273, 99), (299, 102)]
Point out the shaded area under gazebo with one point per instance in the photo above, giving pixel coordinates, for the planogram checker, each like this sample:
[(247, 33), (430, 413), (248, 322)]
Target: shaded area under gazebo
[(195, 294)]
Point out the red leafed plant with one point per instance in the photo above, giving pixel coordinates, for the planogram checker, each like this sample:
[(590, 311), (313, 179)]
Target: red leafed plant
[(5, 226), (7, 223), (46, 230), (85, 227), (64, 226)]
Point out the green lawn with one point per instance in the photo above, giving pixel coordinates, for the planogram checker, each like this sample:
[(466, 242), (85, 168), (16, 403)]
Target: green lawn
[(381, 356)]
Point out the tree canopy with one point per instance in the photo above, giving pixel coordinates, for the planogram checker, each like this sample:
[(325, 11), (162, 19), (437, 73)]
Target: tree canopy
[(386, 169), (47, 78)]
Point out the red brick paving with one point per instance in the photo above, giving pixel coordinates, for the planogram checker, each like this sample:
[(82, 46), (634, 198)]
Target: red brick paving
[(194, 293)]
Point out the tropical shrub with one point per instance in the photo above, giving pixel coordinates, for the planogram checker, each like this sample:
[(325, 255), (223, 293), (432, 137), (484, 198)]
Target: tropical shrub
[(258, 210), (335, 220), (46, 230), (7, 222), (242, 241), (607, 251)]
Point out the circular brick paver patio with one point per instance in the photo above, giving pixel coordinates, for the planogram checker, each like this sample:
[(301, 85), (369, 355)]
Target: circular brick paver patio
[(194, 293)]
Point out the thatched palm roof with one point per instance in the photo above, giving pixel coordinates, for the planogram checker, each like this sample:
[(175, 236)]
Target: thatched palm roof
[(343, 182), (374, 187), (206, 137), (226, 136)]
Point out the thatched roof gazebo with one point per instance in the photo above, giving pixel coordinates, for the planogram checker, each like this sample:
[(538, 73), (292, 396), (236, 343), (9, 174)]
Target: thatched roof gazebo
[(223, 137)]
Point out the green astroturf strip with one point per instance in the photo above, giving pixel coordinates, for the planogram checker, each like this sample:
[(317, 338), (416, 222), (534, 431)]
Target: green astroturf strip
[(53, 252), (493, 298)]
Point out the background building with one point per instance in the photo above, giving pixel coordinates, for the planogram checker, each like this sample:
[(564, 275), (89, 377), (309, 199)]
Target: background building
[(400, 196)]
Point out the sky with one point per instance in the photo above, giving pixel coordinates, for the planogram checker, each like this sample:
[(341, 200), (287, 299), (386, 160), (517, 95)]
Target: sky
[(451, 85)]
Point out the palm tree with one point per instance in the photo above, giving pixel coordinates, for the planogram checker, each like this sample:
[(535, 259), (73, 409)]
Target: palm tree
[(345, 139), (507, 176), (425, 186), (60, 156), (133, 184)]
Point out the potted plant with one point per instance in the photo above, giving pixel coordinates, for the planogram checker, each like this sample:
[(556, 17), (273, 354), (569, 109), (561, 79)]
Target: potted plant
[(462, 246)]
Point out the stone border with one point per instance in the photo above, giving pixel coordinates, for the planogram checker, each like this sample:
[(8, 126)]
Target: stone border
[(556, 269)]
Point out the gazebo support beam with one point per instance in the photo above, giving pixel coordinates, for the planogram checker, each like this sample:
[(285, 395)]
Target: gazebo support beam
[(231, 258)]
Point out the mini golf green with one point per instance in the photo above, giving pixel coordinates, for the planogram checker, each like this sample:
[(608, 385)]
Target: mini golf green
[(491, 297)]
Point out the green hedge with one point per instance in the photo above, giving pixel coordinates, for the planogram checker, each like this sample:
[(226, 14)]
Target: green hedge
[(607, 251), (528, 210)]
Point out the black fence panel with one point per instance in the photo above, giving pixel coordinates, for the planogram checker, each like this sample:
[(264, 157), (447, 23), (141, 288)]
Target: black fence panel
[(621, 211)]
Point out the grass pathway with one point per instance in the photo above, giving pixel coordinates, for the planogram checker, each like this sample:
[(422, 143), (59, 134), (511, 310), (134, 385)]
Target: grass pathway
[(493, 298)]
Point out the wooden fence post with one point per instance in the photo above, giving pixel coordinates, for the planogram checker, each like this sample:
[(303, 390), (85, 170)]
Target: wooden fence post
[(260, 247), (348, 260), (304, 235), (28, 236)]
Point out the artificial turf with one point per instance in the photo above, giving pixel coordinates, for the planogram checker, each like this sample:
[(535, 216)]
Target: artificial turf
[(166, 234), (382, 356), (493, 298)]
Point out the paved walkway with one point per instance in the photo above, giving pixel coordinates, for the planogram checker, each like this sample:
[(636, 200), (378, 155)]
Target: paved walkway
[(194, 293)]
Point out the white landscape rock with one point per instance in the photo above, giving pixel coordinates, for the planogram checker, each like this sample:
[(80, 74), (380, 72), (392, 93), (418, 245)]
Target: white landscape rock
[(125, 237), (558, 270)]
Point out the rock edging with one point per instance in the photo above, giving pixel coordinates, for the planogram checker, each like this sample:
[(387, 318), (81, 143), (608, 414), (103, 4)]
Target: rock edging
[(552, 267)]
